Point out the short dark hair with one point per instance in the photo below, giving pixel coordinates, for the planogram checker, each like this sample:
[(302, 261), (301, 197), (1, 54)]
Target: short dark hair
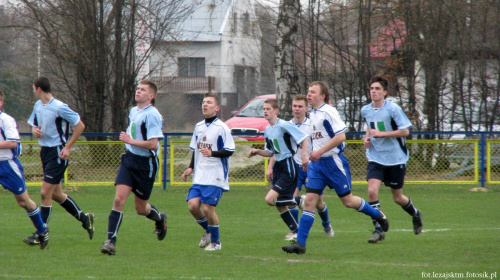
[(273, 103), (43, 83), (323, 88), (1, 95), (379, 79), (214, 96), (152, 86), (300, 97)]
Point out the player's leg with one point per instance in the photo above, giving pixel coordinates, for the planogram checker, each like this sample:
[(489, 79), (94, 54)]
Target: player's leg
[(70, 205), (115, 218), (194, 205), (408, 206), (322, 210), (210, 197)]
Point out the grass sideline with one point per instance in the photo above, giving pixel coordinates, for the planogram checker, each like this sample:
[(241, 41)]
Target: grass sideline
[(461, 235)]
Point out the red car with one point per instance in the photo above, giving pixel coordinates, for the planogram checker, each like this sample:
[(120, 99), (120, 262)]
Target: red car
[(250, 119)]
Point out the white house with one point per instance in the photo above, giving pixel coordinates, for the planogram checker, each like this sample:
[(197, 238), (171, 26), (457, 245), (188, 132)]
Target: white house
[(218, 49)]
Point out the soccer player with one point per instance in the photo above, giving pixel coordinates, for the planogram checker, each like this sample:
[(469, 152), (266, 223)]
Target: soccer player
[(299, 110), (385, 142), (12, 174), (212, 145), (328, 166), (282, 140), (50, 121), (139, 165)]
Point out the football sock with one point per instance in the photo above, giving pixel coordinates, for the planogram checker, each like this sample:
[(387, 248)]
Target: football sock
[(214, 231), (368, 210), (306, 222), (289, 220), (154, 214), (297, 200), (203, 223), (36, 218), (295, 212), (376, 204), (325, 220), (46, 211), (70, 205), (409, 208), (114, 222)]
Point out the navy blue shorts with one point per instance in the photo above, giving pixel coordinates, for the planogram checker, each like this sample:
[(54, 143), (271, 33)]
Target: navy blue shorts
[(392, 176), (285, 175), (12, 176), (301, 178), (139, 173), (53, 166)]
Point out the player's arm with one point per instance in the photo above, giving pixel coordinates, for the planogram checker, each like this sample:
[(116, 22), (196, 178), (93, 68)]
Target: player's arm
[(188, 170), (219, 154), (367, 142), (395, 134), (151, 144), (8, 144), (77, 131), (269, 173), (304, 146), (264, 153), (334, 142)]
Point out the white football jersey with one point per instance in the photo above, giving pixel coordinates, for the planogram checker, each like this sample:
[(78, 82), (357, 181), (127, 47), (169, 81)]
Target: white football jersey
[(8, 129), (326, 123), (211, 171), (307, 128)]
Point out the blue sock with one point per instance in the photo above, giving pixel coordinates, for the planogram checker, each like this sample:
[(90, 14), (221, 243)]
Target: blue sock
[(368, 210), (114, 222), (295, 213), (376, 204), (214, 231), (325, 220), (36, 218), (203, 223), (306, 222)]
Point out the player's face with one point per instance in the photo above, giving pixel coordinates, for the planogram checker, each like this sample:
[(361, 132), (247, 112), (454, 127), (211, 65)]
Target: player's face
[(377, 92), (36, 91), (299, 108), (144, 94), (209, 107), (315, 97), (269, 113)]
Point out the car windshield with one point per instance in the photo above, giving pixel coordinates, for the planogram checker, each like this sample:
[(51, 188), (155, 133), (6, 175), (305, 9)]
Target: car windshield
[(253, 109)]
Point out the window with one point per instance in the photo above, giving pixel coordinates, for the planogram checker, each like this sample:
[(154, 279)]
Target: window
[(192, 66), (246, 24), (234, 26)]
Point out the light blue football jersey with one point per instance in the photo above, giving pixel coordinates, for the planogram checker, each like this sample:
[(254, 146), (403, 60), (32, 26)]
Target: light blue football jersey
[(387, 151), (282, 139), (144, 124), (54, 119)]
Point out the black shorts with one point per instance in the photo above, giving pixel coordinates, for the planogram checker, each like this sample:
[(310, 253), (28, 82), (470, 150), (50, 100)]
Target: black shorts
[(285, 175), (53, 166), (139, 173), (392, 176)]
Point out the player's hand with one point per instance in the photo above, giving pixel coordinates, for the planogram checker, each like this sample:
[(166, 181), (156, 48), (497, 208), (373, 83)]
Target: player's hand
[(37, 132), (124, 137), (269, 174), (64, 153), (367, 142), (206, 152), (315, 155), (186, 173), (304, 165), (376, 133), (253, 152)]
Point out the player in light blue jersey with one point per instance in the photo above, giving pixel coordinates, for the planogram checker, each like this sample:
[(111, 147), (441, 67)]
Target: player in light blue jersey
[(50, 121), (282, 139), (12, 174), (386, 130), (299, 110), (212, 145), (139, 165), (328, 166)]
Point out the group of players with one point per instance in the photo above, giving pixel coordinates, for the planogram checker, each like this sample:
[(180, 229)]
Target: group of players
[(304, 151)]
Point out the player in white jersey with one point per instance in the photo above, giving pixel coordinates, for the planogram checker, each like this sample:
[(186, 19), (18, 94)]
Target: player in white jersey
[(299, 110), (12, 174), (212, 145), (282, 139), (328, 166), (385, 142), (50, 121), (139, 165)]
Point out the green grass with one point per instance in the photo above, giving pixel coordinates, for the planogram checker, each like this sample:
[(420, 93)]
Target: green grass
[(461, 234)]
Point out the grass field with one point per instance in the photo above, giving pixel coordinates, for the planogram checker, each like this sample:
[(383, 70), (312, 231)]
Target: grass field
[(461, 235)]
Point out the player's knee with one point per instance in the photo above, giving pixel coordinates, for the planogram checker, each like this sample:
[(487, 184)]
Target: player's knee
[(270, 201)]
